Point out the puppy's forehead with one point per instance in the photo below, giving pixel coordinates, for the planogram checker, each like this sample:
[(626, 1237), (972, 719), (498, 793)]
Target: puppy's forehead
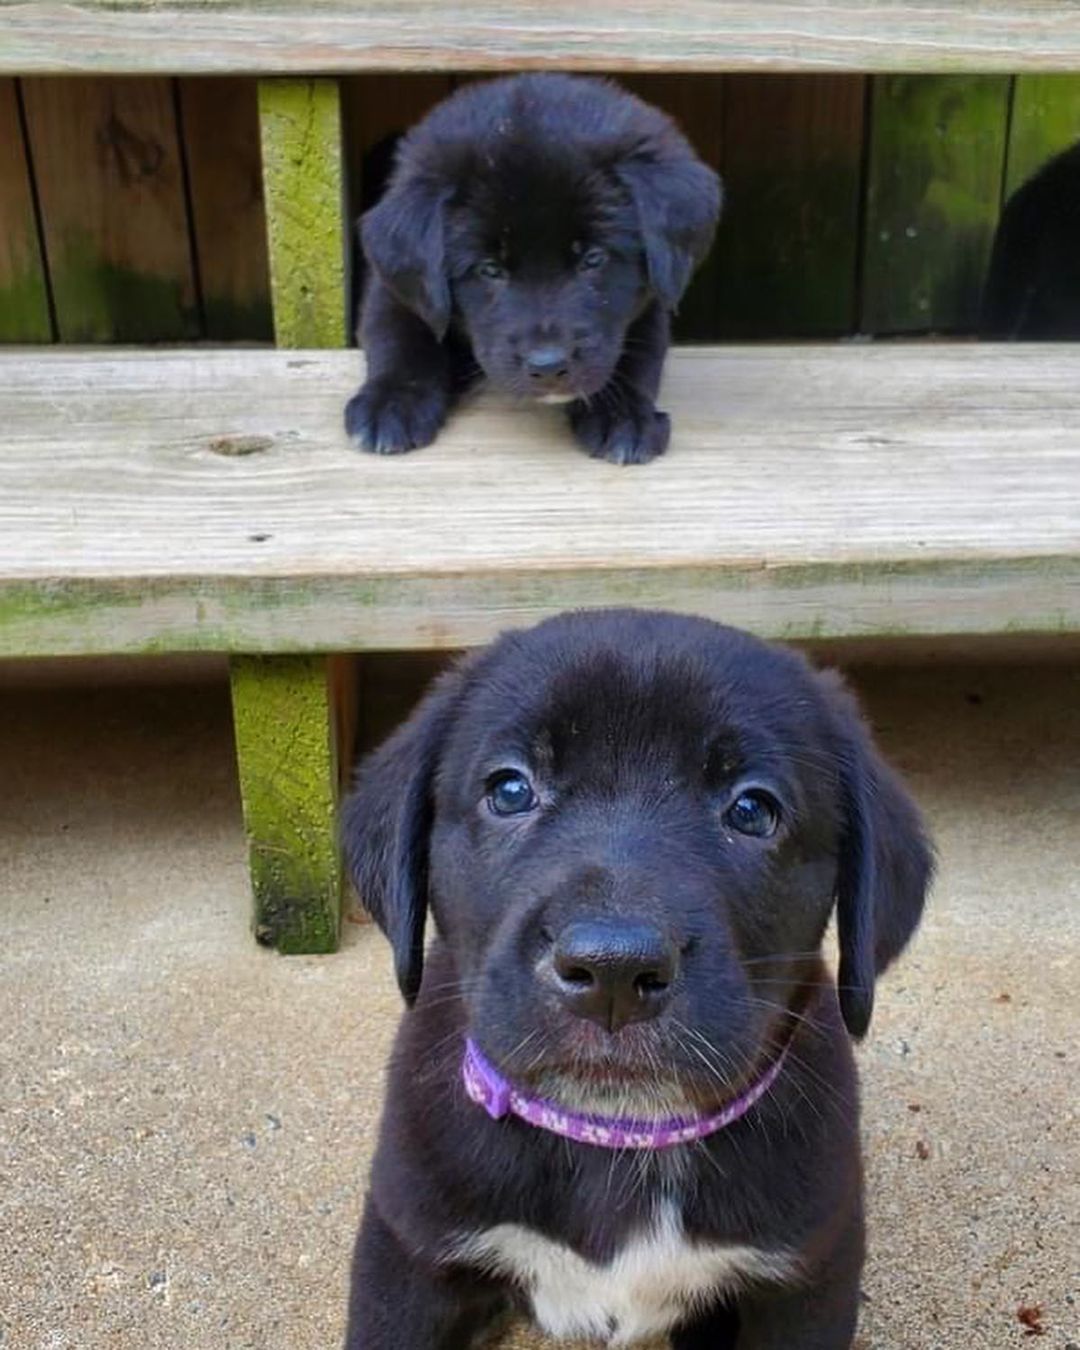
[(523, 198), (682, 692)]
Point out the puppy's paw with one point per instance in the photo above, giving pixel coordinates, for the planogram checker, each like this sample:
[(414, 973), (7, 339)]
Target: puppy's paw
[(621, 432), (389, 417)]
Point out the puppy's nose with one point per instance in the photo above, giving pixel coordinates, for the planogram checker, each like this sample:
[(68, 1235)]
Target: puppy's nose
[(547, 363), (613, 973)]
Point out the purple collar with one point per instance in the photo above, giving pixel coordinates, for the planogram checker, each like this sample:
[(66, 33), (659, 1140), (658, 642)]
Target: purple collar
[(489, 1089)]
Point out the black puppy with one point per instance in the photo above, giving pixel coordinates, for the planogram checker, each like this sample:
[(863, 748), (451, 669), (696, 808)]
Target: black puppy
[(538, 230), (631, 829), (1032, 288)]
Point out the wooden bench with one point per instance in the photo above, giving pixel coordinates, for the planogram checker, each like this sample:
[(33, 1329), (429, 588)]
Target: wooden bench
[(207, 500)]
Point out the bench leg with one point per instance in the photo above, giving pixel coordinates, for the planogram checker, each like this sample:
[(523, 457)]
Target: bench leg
[(300, 129), (293, 714), (295, 720)]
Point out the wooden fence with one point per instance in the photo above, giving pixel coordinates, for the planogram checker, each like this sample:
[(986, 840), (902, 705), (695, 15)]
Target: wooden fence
[(131, 209)]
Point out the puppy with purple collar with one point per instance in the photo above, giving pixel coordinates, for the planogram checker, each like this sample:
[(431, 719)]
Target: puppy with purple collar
[(623, 1100)]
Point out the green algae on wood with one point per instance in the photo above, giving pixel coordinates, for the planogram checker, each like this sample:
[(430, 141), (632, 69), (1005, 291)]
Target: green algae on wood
[(286, 711), (1045, 120), (291, 712), (932, 596), (936, 162), (300, 123)]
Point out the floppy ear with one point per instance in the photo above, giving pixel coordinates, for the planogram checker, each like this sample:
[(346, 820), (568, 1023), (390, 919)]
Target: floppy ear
[(404, 242), (677, 201), (386, 828), (885, 866)]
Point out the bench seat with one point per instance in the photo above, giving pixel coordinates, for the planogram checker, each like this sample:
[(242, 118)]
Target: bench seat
[(208, 500), (336, 36)]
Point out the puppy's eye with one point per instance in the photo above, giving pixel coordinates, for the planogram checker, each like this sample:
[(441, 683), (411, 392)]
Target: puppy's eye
[(592, 258), (510, 793), (491, 268), (754, 812)]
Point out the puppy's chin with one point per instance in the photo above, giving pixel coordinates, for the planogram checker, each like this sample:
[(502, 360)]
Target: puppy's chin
[(556, 398), (644, 1099)]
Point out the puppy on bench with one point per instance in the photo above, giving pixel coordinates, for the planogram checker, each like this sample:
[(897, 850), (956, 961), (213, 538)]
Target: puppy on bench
[(537, 230), (623, 1101)]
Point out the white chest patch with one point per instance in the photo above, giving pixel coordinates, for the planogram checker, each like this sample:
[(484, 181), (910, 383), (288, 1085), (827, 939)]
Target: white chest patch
[(648, 1286)]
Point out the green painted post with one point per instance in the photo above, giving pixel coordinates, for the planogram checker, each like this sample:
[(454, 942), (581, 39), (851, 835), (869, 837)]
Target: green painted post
[(937, 157), (293, 713)]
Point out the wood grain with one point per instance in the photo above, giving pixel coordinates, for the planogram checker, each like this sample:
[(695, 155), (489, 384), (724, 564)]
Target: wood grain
[(175, 501), (295, 715), (107, 160), (788, 247), (300, 130), (282, 36), (937, 159), (283, 707), (221, 140), (24, 298)]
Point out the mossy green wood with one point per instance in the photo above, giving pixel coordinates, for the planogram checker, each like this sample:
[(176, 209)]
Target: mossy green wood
[(300, 123), (1045, 120), (937, 157), (24, 300), (292, 713), (285, 721)]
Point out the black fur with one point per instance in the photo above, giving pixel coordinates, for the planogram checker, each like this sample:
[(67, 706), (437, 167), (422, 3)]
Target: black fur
[(637, 730), (1032, 289), (595, 211)]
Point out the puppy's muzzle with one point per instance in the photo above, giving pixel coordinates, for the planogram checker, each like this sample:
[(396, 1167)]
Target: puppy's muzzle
[(613, 973), (548, 371)]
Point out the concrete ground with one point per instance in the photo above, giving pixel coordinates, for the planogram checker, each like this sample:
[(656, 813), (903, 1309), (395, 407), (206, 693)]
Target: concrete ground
[(186, 1120)]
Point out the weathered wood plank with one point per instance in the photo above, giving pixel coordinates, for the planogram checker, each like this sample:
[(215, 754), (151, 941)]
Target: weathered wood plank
[(24, 297), (937, 160), (184, 501), (221, 142), (300, 124), (1045, 120), (107, 162), (282, 36), (788, 246)]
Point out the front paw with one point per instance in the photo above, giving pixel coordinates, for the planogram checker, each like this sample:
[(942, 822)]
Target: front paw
[(389, 416), (622, 432)]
